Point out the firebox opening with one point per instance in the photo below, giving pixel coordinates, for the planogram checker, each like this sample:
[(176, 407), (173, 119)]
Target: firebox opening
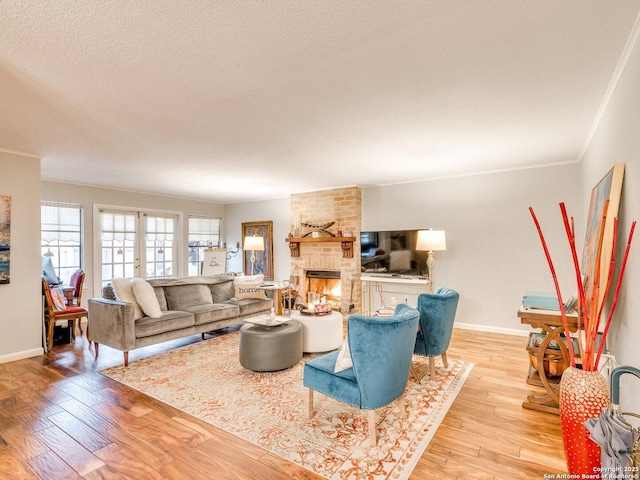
[(325, 283)]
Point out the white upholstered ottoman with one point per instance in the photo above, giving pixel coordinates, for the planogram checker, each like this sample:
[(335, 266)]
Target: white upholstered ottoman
[(320, 333)]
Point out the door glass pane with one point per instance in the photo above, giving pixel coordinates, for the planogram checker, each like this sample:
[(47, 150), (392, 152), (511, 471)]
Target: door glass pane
[(160, 237), (118, 245)]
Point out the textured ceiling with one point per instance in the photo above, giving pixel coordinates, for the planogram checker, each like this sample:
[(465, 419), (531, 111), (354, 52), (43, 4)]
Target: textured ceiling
[(233, 101)]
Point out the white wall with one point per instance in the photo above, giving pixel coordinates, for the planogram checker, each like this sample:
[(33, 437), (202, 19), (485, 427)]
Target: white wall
[(617, 140), (278, 211), (88, 196), (493, 251), (21, 300)]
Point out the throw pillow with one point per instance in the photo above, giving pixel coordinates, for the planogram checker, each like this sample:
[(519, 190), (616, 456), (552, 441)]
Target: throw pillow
[(123, 290), (146, 298), (59, 303), (244, 290), (343, 362)]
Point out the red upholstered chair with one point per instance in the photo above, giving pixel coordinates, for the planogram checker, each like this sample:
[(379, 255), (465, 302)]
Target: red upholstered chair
[(52, 315), (77, 281)]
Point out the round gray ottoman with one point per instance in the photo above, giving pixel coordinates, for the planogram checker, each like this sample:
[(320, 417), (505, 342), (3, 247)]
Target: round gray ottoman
[(268, 349)]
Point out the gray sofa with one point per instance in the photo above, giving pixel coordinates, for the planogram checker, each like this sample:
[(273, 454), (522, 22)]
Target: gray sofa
[(190, 305)]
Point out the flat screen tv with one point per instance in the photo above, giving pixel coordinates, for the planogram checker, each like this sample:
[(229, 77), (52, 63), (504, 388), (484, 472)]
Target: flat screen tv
[(392, 253)]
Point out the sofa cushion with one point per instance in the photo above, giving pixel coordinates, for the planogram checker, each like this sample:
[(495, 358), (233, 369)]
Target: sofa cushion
[(249, 306), (169, 321), (162, 300), (222, 290), (213, 312), (181, 296)]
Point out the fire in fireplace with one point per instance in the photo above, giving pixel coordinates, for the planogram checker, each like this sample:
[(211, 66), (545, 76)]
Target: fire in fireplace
[(325, 283)]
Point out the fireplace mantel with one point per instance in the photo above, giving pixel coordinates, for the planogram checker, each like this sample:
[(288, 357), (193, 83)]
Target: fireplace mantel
[(345, 242)]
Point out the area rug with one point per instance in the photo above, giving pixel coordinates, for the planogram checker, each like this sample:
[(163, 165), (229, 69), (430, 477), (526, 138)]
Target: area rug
[(206, 380)]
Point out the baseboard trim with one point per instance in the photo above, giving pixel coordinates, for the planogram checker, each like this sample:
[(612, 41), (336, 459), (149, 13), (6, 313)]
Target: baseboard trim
[(12, 357), (485, 328)]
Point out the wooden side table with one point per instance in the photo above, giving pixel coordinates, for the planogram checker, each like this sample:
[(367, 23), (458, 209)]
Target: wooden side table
[(550, 321)]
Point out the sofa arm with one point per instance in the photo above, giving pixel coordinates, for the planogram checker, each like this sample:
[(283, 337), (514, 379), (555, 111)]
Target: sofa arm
[(111, 323)]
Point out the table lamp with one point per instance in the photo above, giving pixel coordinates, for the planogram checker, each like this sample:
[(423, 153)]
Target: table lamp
[(254, 244), (431, 241)]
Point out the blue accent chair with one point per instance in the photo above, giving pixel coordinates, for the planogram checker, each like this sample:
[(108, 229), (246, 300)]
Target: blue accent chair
[(437, 314), (381, 350)]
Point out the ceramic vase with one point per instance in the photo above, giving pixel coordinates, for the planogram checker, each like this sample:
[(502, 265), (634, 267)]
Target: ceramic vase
[(583, 395)]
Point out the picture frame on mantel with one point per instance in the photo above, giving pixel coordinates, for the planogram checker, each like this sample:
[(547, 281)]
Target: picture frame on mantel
[(264, 259), (609, 188)]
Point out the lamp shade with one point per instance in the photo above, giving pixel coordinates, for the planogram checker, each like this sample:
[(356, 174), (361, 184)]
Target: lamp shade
[(431, 240), (254, 243)]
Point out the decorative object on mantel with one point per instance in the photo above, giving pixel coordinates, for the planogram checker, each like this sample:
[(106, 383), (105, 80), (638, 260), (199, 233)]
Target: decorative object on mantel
[(583, 391), (431, 241), (318, 231), (5, 239)]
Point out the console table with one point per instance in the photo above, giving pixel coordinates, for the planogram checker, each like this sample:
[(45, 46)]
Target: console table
[(550, 321), (405, 288)]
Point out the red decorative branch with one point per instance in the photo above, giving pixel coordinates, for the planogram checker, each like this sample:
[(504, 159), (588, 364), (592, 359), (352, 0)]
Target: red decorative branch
[(565, 323)]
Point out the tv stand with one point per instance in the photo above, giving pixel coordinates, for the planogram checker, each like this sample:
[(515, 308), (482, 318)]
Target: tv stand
[(378, 288)]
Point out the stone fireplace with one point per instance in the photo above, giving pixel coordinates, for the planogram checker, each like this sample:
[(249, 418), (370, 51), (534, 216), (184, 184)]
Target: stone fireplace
[(338, 254)]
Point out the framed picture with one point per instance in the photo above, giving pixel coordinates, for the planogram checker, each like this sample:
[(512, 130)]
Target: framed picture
[(215, 261), (262, 259), (609, 188), (5, 239)]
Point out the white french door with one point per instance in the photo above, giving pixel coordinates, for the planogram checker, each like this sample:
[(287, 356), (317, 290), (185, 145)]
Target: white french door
[(135, 244)]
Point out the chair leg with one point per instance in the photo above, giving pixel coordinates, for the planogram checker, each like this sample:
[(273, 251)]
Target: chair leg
[(126, 359), (414, 372), (403, 407), (96, 347), (432, 367), (80, 325), (372, 428), (309, 405), (72, 326), (444, 360), (50, 339)]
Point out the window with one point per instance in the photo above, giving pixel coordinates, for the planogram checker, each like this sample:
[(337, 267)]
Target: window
[(203, 233), (137, 244), (61, 237)]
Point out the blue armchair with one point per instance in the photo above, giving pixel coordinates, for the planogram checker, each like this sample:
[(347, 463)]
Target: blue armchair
[(381, 350), (437, 314)]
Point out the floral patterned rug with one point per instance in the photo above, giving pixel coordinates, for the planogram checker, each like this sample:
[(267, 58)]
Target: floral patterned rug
[(206, 380)]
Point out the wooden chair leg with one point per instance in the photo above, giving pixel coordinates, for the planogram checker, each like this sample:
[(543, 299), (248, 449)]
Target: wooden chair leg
[(80, 325), (372, 428), (403, 407), (126, 359), (414, 372), (72, 326), (50, 339), (432, 367), (309, 405), (96, 347), (444, 360)]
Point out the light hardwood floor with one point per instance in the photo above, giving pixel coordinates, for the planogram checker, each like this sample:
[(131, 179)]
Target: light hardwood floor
[(60, 419)]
